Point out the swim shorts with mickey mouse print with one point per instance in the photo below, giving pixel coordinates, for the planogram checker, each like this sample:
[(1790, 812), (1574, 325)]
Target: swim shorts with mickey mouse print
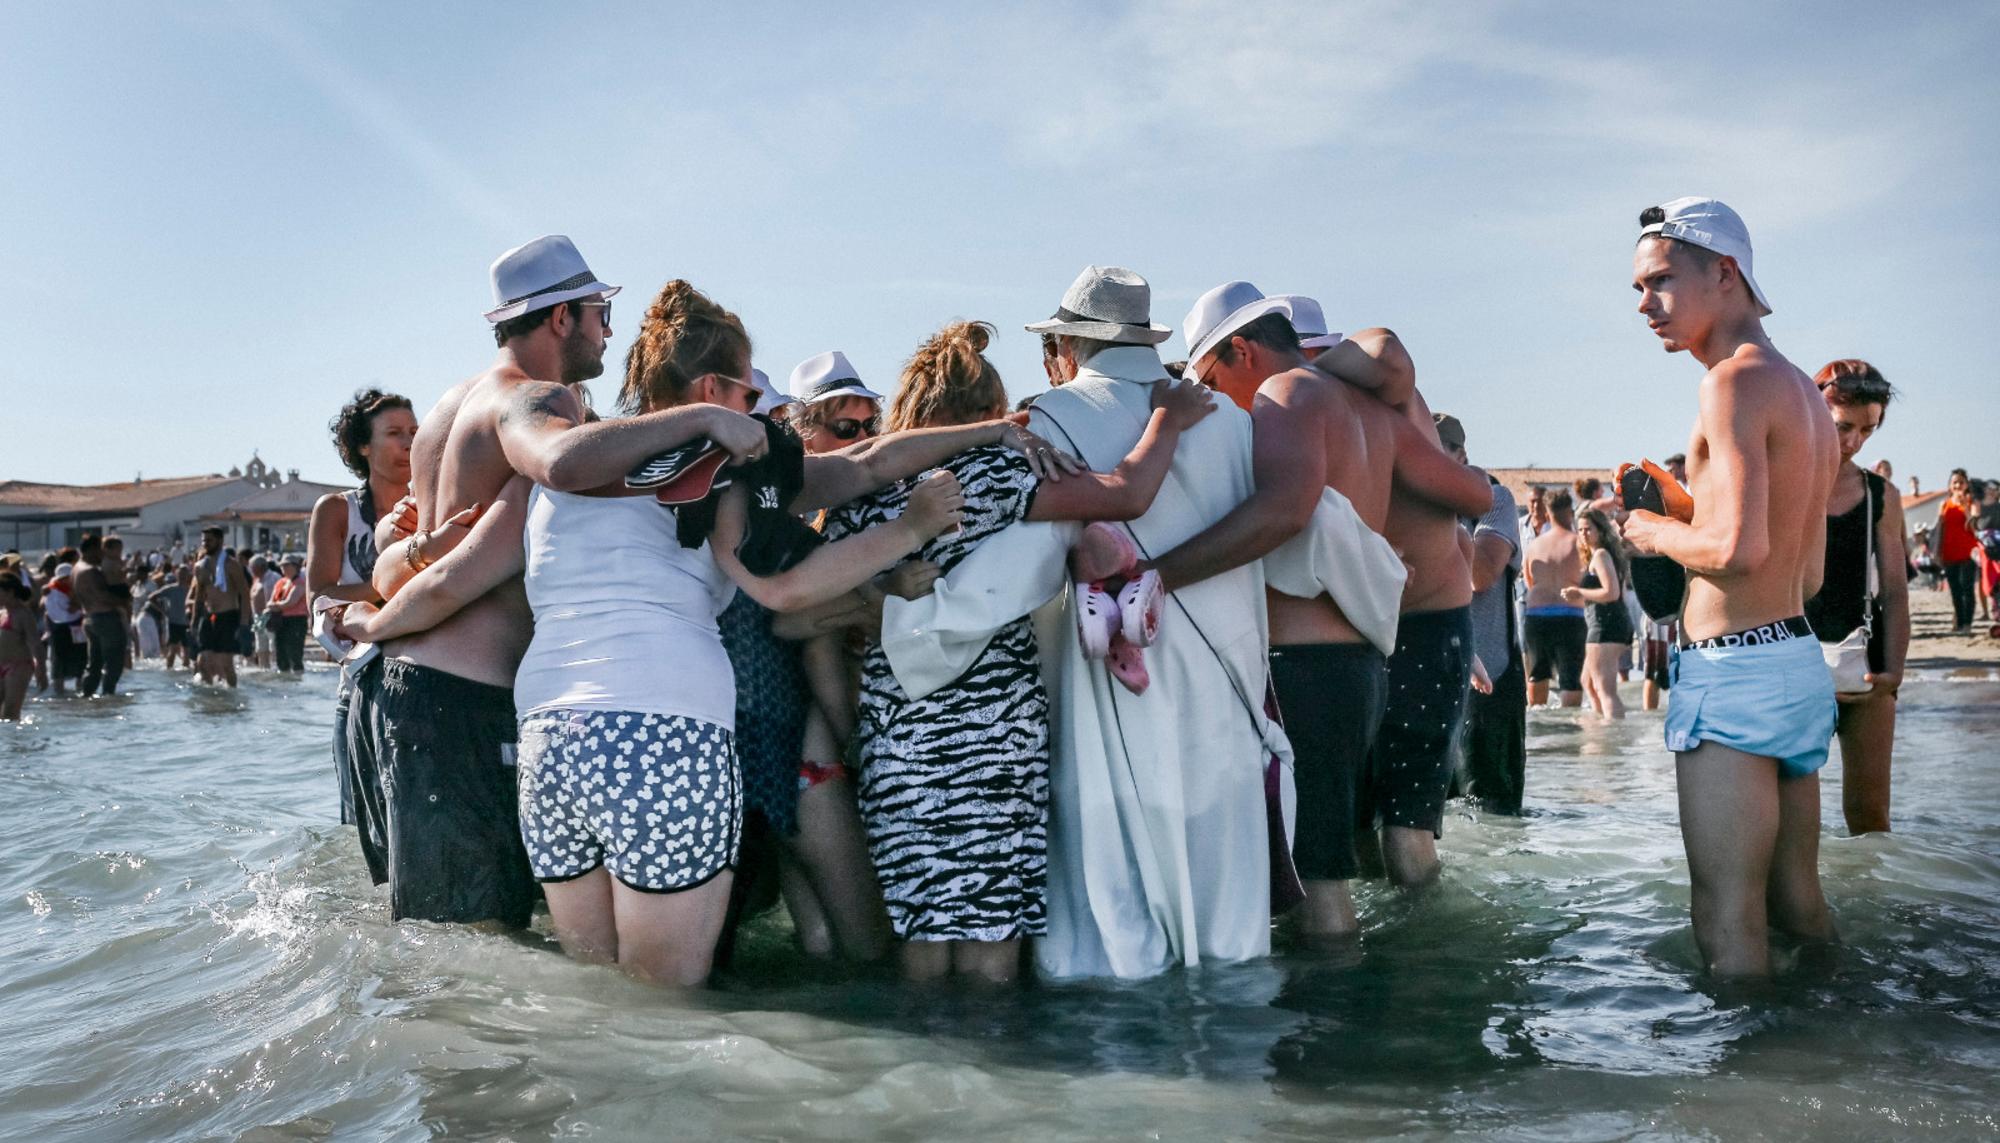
[(655, 799)]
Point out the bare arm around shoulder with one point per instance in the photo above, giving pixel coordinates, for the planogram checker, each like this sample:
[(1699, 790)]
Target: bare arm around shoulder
[(1127, 491), (1288, 467), (546, 437), (1375, 360), (326, 548), (1425, 470), (834, 478), (836, 568), (490, 556), (1731, 531)]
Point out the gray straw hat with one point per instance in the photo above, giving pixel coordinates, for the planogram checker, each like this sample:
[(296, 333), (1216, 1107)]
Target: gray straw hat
[(1107, 303)]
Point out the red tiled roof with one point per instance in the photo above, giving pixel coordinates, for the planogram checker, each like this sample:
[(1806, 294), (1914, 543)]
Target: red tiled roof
[(126, 496)]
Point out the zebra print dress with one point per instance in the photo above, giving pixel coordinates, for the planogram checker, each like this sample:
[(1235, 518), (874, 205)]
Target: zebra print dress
[(954, 787)]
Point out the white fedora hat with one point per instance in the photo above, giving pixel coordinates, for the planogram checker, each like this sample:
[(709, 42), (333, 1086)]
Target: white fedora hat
[(1309, 321), (824, 376), (1710, 224), (769, 397), (543, 273), (1107, 303), (1221, 312)]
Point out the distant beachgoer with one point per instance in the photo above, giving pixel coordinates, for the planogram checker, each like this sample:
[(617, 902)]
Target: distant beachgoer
[(68, 647), (20, 649), (104, 620), (290, 612), (1885, 470), (372, 433), (1607, 625), (1677, 465), (1956, 543), (1536, 520), (263, 580), (1865, 588), (1553, 628), (1987, 528), (954, 783), (172, 601), (1753, 710), (218, 599)]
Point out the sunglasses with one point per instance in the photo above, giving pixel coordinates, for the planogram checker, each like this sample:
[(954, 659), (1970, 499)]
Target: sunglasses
[(604, 305), (847, 428)]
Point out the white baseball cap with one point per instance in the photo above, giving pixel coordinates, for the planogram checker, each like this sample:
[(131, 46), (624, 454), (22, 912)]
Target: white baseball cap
[(1710, 224), (1221, 312), (768, 396), (1309, 320), (824, 376)]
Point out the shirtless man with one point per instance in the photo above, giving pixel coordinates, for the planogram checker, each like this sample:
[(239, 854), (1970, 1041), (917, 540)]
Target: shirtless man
[(437, 713), (218, 599), (97, 575), (1554, 628), (1753, 706), (1317, 424)]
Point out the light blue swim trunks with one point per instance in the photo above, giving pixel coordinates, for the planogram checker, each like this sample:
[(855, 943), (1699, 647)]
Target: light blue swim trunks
[(1773, 699)]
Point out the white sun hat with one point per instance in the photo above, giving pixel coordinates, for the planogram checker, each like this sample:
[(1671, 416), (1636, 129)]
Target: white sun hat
[(1710, 224), (768, 395), (1107, 303), (1221, 312), (1309, 320), (540, 274), (824, 376)]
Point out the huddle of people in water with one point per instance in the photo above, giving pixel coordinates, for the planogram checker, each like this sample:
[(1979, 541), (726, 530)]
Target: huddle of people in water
[(1104, 686)]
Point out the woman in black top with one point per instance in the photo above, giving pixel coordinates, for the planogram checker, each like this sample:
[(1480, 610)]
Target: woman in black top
[(1862, 502), (1607, 625)]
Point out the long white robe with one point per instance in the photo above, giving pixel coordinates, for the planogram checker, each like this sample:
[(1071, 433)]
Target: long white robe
[(1158, 841)]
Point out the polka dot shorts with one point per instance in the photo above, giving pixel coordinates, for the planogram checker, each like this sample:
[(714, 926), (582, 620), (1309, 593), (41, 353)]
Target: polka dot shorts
[(657, 800)]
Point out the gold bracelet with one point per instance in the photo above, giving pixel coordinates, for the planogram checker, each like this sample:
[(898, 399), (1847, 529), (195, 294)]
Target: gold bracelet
[(413, 551)]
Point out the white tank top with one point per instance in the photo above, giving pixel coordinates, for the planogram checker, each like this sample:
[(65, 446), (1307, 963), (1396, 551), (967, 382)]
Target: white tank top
[(357, 557), (624, 616)]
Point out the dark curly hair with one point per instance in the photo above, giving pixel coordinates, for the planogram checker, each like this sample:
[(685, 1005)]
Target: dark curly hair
[(354, 426)]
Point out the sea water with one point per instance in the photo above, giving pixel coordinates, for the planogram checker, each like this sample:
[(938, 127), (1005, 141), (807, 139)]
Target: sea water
[(190, 949)]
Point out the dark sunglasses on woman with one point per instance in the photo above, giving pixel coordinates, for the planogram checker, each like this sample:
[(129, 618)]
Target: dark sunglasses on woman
[(847, 428)]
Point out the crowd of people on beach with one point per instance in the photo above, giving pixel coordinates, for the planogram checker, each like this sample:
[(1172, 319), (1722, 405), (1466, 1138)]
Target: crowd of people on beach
[(1105, 683)]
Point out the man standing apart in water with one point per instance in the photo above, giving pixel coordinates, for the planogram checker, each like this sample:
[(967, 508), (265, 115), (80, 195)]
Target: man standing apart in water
[(1329, 422), (1554, 629), (218, 600), (1753, 706), (438, 710)]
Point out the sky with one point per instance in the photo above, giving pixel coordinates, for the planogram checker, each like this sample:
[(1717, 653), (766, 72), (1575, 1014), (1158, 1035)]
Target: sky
[(217, 220)]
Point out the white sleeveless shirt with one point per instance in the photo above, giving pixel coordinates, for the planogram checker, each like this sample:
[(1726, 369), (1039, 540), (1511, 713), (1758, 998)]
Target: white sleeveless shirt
[(624, 616)]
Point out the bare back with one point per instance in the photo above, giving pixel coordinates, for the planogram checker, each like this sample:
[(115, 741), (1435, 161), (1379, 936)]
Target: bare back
[(1553, 563), (1359, 444), (1770, 414), (456, 462)]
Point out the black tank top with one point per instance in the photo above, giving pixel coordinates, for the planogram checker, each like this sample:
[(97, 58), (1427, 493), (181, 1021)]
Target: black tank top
[(1843, 591)]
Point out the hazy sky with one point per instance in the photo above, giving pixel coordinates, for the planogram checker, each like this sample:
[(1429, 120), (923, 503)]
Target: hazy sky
[(217, 220)]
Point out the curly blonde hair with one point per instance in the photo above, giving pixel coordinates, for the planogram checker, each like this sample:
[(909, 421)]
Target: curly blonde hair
[(684, 335), (948, 380)]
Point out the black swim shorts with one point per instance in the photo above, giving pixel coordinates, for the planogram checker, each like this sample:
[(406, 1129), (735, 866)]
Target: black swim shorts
[(1332, 696), (1430, 675), (445, 754), (217, 633), (1553, 645)]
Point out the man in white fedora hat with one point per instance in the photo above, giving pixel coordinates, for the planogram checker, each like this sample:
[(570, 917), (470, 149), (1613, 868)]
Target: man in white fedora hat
[(1753, 702), (1329, 450), (833, 408), (436, 708)]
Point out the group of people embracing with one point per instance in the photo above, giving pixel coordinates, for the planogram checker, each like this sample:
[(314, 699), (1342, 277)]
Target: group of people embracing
[(1104, 686)]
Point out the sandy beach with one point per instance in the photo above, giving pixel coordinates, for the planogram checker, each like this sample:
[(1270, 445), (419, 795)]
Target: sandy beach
[(1935, 651)]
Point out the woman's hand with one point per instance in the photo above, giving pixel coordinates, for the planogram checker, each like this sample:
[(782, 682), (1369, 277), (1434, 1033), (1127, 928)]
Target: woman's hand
[(438, 542), (911, 579), (398, 523), (1481, 681), (1185, 402), (1572, 595), (937, 505), (1879, 684), (1045, 460)]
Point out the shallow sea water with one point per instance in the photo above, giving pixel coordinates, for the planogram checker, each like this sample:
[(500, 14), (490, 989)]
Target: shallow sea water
[(190, 949)]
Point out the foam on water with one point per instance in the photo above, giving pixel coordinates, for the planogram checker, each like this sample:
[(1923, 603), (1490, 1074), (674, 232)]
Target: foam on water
[(190, 949)]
